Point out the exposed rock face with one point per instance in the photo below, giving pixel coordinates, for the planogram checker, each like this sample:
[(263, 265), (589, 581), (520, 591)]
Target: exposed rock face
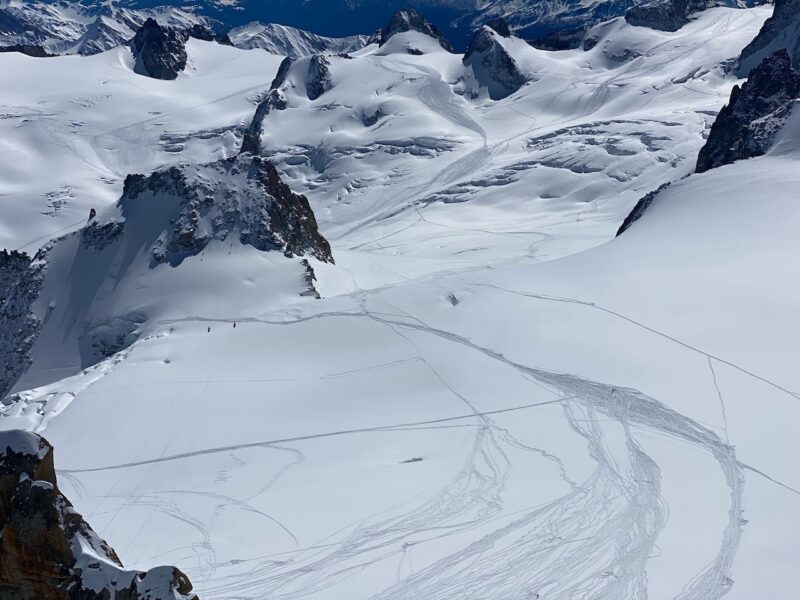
[(274, 100), (412, 20), (201, 32), (241, 196), (747, 126), (20, 285), (500, 27), (570, 39), (493, 67), (318, 80), (27, 49), (780, 32), (316, 72), (665, 16), (671, 15), (159, 52), (47, 550), (641, 206)]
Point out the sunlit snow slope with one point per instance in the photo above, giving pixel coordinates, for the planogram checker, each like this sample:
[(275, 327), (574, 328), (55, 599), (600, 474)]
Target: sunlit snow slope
[(456, 418)]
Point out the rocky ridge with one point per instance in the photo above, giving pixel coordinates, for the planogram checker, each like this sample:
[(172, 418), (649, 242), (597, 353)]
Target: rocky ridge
[(756, 112), (780, 32), (159, 52), (20, 283), (412, 20), (493, 67), (47, 549), (290, 41), (242, 196)]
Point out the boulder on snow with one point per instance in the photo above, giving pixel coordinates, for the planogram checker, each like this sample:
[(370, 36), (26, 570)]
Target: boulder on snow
[(780, 32), (47, 549), (747, 126), (492, 66), (159, 52), (409, 19)]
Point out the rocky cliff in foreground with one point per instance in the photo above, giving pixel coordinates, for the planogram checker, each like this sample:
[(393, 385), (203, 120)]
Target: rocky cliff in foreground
[(756, 112), (48, 551), (780, 32)]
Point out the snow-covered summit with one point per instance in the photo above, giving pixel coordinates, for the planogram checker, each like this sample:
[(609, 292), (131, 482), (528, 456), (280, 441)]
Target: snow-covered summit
[(409, 19)]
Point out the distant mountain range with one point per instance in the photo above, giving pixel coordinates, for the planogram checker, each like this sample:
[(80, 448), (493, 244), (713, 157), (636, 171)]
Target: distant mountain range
[(341, 18)]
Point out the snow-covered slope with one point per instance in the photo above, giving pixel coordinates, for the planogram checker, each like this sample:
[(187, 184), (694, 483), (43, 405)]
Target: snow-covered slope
[(457, 416), (289, 41), (396, 156), (93, 121)]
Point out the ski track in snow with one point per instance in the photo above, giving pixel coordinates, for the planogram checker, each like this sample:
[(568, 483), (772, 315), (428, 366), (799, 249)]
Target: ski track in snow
[(593, 542)]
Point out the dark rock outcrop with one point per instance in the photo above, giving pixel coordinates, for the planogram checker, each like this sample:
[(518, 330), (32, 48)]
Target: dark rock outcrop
[(747, 126), (27, 49), (780, 32), (493, 67), (670, 15), (242, 196), (569, 39), (641, 206), (159, 52), (20, 284), (274, 100), (47, 549), (500, 26), (201, 32), (411, 20), (318, 80)]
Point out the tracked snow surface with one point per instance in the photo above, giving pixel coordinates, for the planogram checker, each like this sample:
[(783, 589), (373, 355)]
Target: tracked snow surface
[(493, 398)]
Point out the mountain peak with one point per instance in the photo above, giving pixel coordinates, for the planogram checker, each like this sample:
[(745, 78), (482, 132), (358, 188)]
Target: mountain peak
[(159, 52), (409, 19)]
